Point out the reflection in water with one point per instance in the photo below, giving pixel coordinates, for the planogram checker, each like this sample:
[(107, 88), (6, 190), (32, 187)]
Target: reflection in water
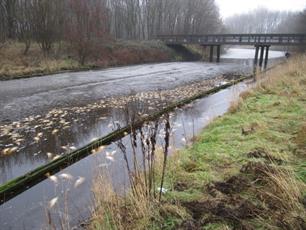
[(249, 54), (39, 139)]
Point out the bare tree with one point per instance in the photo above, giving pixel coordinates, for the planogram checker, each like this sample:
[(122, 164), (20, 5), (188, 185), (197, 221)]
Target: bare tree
[(86, 26), (301, 22), (24, 30), (10, 16), (3, 27), (83, 22), (144, 19), (262, 21), (47, 18)]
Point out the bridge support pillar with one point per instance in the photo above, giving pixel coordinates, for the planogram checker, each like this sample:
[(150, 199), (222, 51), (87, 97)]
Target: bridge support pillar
[(211, 55), (218, 53), (267, 56), (262, 50), (256, 55), (263, 57)]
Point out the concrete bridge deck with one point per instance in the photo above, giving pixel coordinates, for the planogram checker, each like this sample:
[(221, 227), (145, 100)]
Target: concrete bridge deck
[(236, 39), (262, 42)]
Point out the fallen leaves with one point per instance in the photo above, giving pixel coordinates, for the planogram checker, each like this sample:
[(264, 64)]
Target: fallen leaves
[(110, 155), (53, 202), (9, 151), (55, 131), (54, 179), (79, 182), (56, 157), (49, 155), (73, 148), (98, 150), (66, 176), (60, 121)]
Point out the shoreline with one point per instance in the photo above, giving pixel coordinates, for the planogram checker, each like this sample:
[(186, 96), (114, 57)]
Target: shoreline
[(13, 187), (117, 54), (245, 170)]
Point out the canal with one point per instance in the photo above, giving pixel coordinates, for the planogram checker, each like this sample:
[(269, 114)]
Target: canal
[(45, 117)]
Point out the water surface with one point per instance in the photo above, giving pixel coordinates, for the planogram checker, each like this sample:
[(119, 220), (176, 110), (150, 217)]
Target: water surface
[(87, 105)]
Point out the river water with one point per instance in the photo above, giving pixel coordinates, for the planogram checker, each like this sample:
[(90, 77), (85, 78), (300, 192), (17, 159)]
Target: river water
[(56, 114)]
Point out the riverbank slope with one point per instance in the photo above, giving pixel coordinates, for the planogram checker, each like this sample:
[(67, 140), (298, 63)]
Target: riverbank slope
[(247, 170), (15, 64)]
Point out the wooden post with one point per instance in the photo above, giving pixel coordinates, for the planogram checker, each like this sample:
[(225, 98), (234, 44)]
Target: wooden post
[(203, 52), (218, 53), (262, 50), (267, 56), (256, 55), (211, 56)]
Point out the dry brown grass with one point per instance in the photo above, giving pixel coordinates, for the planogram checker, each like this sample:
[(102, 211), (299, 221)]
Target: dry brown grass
[(281, 199), (245, 94), (134, 210), (115, 212), (14, 64), (283, 75), (107, 213), (286, 190), (234, 106), (271, 81)]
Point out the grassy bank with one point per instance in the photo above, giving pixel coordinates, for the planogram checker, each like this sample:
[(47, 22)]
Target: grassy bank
[(247, 170), (14, 64)]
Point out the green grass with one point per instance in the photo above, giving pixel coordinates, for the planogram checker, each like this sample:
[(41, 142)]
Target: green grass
[(278, 112), (301, 172), (222, 142)]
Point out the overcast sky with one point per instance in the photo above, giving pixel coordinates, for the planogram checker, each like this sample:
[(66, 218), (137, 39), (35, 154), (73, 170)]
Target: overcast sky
[(231, 7)]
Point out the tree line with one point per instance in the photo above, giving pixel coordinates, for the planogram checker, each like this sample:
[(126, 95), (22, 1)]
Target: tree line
[(84, 23), (265, 21), (80, 23), (143, 19)]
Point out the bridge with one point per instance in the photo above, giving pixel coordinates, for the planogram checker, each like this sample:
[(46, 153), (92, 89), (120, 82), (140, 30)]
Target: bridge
[(262, 42)]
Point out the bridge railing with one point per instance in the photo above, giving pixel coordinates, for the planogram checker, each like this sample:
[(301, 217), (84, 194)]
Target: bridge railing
[(236, 39)]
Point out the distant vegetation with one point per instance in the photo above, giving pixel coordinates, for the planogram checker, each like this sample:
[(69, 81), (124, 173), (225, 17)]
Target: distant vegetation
[(84, 26), (43, 36), (263, 20), (13, 64)]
